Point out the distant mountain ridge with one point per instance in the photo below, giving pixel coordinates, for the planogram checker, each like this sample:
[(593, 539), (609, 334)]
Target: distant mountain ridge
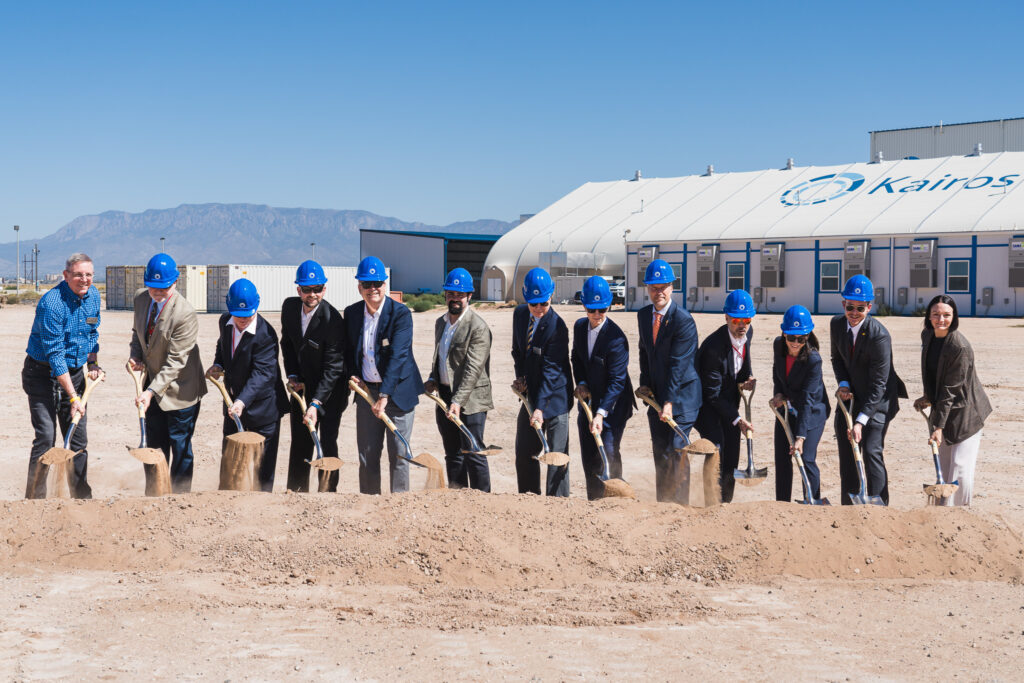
[(222, 233)]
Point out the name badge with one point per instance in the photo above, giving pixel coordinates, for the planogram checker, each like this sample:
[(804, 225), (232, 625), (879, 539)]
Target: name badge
[(385, 343), (92, 321)]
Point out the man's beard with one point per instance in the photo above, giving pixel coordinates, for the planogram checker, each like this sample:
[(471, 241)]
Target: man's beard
[(455, 307)]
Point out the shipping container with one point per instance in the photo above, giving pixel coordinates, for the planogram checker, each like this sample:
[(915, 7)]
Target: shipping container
[(192, 286), (133, 282), (115, 295), (275, 284)]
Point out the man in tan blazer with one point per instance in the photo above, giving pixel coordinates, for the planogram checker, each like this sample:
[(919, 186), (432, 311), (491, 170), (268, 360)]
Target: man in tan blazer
[(164, 346), (461, 374)]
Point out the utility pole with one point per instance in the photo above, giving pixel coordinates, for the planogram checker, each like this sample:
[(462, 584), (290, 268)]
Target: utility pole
[(17, 261), (35, 265)]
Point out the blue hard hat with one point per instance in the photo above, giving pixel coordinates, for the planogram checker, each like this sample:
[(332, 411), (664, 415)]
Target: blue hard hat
[(859, 288), (371, 269), (537, 286), (161, 272), (797, 320), (659, 272), (242, 298), (459, 280), (739, 304), (309, 273), (596, 293)]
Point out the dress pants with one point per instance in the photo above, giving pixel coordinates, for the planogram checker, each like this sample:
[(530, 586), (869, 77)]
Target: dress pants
[(726, 437), (171, 431), (302, 448), (784, 461), (593, 466), (48, 405), (672, 481), (370, 436), (957, 461), (464, 469), (556, 431), (872, 444), (268, 462)]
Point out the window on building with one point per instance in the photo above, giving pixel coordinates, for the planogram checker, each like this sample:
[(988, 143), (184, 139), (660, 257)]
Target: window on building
[(828, 276), (735, 276), (958, 275), (677, 272)]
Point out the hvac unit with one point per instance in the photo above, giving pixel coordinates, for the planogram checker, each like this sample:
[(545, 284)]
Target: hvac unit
[(707, 265), (773, 272), (856, 260), (924, 263), (1016, 256), (644, 256)]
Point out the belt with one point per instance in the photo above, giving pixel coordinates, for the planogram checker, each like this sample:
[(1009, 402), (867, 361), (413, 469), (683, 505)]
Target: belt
[(43, 364), (372, 384)]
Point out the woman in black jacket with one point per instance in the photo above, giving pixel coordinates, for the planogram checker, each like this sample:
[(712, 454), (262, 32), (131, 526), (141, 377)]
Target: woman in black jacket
[(952, 389), (798, 385)]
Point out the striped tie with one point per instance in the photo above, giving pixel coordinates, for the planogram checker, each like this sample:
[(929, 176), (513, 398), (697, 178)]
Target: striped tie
[(529, 332), (657, 326)]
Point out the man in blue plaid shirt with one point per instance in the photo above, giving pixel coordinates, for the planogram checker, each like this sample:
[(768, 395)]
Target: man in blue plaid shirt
[(61, 349)]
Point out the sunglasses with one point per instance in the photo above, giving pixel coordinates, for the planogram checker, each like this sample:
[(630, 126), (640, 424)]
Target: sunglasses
[(859, 309), (542, 304), (797, 338), (742, 321), (312, 289), (372, 284), (597, 310)]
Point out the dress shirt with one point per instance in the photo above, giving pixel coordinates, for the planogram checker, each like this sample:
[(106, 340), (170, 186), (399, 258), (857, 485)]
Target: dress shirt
[(738, 349), (592, 333), (236, 334), (854, 330), (369, 364), (444, 346), (306, 317), (65, 329)]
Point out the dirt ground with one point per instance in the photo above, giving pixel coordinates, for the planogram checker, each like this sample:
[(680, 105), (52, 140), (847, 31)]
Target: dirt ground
[(451, 585)]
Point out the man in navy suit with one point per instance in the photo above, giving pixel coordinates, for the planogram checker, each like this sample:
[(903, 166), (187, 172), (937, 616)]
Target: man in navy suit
[(600, 365), (668, 347), (378, 353), (723, 362), (862, 363), (247, 357), (540, 353)]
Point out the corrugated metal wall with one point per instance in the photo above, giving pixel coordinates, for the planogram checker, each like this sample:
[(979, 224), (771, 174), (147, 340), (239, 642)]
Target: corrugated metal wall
[(192, 286), (275, 284), (953, 140)]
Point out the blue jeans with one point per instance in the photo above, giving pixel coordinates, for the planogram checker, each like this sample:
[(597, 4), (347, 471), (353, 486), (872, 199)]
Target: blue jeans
[(171, 431)]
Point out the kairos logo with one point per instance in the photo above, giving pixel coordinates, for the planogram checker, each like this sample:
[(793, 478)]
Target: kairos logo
[(822, 189)]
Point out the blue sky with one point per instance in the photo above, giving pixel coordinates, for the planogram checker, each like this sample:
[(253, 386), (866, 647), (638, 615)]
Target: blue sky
[(450, 111)]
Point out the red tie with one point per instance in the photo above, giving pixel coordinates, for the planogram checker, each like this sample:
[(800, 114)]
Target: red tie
[(151, 323), (657, 326)]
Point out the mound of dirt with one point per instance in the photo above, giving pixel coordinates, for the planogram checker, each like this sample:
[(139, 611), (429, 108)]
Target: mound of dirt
[(465, 539)]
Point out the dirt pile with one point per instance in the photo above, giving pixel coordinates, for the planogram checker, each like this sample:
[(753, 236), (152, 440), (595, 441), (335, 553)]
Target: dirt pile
[(477, 541)]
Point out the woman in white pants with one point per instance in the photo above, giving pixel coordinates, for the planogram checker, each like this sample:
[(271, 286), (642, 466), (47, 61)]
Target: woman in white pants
[(958, 402)]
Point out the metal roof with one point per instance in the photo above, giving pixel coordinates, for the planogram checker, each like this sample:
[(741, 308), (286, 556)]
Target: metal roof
[(926, 196), (472, 237), (946, 125)]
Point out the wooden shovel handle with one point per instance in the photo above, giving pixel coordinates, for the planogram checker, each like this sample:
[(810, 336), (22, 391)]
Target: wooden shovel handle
[(590, 421), (654, 404), (366, 397), (444, 406), (223, 390), (90, 384), (302, 405), (139, 377), (849, 425)]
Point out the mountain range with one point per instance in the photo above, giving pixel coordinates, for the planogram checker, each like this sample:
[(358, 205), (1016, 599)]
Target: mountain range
[(221, 233)]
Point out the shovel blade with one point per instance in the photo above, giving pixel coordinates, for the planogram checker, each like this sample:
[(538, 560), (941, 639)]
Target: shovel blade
[(862, 499), (553, 459), (56, 456), (326, 464), (751, 477), (617, 488), (147, 456), (815, 501), (941, 490), (487, 451)]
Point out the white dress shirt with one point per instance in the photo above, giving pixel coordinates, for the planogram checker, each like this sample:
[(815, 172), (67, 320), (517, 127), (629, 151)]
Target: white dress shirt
[(444, 346), (370, 373), (861, 417), (306, 317), (592, 333)]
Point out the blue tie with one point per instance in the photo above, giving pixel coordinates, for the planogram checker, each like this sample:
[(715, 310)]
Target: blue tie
[(529, 332)]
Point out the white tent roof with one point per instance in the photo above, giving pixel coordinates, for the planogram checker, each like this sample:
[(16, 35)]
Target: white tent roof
[(928, 196)]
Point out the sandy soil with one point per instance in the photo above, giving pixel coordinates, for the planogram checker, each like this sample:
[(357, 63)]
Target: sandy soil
[(440, 585)]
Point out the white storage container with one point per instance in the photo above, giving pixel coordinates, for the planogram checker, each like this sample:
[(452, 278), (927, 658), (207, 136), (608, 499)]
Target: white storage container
[(192, 286), (275, 284)]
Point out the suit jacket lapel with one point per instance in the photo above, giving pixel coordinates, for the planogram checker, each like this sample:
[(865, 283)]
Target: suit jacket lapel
[(664, 323), (314, 322)]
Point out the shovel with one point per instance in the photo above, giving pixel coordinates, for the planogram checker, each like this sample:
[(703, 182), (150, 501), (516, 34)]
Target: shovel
[(58, 456), (861, 497), (158, 476), (710, 470), (613, 488), (435, 472), (546, 456), (326, 464), (474, 446), (749, 476), (940, 490), (242, 454), (809, 498)]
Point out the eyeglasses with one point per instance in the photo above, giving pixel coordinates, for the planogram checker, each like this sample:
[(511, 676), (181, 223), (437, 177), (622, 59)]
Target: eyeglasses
[(312, 289), (797, 338), (542, 304), (859, 309), (597, 310), (82, 276), (372, 284), (741, 321)]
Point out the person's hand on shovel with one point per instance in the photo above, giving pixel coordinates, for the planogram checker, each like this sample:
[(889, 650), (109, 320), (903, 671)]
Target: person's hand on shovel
[(666, 412), (749, 385), (583, 393), (454, 411), (295, 385), (597, 425), (537, 419), (236, 409), (311, 415), (380, 406), (94, 369), (922, 403), (936, 436), (144, 399), (745, 427), (777, 401), (798, 445), (215, 372)]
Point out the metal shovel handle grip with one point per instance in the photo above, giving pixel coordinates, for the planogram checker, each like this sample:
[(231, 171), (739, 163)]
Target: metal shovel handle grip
[(227, 398), (529, 415)]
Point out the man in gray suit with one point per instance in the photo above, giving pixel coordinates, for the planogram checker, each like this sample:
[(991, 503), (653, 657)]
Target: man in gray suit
[(461, 374), (164, 346)]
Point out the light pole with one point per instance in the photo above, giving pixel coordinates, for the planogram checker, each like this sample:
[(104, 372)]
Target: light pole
[(17, 263), (312, 246), (162, 250)]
